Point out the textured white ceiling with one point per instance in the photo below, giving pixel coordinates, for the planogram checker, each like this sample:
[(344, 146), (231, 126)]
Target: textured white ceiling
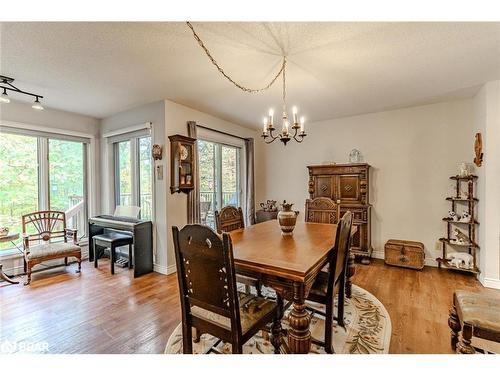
[(335, 69)]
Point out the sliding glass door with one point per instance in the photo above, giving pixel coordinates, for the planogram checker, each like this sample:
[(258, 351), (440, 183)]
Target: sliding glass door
[(39, 171), (219, 178), (18, 180), (67, 181)]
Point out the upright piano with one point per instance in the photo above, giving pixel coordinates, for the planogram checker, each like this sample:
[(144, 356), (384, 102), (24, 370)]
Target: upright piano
[(141, 230)]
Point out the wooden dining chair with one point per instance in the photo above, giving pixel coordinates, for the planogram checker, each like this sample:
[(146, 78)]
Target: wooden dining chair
[(228, 219), (330, 283), (322, 210), (210, 302)]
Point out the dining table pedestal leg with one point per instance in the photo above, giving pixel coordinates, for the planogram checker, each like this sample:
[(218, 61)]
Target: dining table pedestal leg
[(299, 335)]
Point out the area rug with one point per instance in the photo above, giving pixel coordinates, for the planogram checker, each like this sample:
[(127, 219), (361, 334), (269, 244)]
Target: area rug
[(368, 331)]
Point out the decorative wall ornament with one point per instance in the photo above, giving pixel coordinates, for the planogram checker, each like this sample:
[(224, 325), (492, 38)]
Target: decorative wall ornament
[(157, 152), (478, 149)]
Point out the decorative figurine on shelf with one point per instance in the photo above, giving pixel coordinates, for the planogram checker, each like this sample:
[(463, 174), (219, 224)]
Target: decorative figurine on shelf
[(287, 219), (355, 156), (460, 237), (461, 260), (269, 206), (4, 231), (463, 170), (465, 217), (453, 215)]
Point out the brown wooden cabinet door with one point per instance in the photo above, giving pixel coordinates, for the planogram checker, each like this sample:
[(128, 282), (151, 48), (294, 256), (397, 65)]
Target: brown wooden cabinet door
[(348, 188), (324, 187)]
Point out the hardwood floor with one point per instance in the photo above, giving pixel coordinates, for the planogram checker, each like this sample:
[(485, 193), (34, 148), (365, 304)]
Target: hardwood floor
[(95, 312)]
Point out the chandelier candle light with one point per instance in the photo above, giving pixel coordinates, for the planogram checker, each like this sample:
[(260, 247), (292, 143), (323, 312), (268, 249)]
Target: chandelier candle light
[(284, 135)]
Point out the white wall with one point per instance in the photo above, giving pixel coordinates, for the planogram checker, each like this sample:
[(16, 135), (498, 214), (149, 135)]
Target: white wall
[(487, 121), (412, 151), (176, 117), (154, 113)]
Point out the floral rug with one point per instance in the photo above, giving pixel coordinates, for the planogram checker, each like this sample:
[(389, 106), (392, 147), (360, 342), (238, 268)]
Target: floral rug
[(368, 331)]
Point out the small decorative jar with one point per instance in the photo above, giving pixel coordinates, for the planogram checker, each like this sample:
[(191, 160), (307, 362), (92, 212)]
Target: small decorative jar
[(287, 219), (354, 156)]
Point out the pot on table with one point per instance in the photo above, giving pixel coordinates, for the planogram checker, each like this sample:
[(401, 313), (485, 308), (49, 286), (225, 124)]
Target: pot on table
[(287, 219)]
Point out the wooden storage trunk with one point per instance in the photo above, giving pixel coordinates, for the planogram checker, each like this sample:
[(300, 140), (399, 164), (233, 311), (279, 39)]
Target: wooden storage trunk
[(402, 253)]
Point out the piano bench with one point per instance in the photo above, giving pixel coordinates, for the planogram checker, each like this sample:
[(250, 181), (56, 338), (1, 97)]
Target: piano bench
[(113, 240)]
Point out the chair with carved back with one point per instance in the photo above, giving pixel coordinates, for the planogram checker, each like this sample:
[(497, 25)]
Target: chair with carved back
[(210, 302), (322, 210), (330, 283), (228, 219), (40, 229)]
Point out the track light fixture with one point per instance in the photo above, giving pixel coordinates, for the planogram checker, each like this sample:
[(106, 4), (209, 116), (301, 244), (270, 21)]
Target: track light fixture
[(4, 98), (6, 84), (37, 105)]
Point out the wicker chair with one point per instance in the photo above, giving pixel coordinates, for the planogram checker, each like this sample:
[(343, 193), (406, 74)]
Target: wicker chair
[(48, 225), (210, 302)]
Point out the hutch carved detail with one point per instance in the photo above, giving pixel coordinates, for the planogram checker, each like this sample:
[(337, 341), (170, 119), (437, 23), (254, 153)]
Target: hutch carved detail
[(347, 185)]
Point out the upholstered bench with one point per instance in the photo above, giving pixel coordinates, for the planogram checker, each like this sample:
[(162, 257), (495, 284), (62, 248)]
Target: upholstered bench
[(475, 315)]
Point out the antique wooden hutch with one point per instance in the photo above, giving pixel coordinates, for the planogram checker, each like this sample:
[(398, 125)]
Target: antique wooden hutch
[(348, 185)]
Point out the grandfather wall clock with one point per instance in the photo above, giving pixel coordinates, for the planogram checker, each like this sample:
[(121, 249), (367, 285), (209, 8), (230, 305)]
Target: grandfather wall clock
[(182, 163)]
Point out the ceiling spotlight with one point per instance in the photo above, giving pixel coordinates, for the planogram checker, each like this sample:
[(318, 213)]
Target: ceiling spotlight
[(37, 105), (4, 98)]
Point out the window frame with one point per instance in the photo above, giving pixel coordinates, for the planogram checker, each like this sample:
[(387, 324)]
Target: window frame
[(43, 178), (134, 139), (227, 141)]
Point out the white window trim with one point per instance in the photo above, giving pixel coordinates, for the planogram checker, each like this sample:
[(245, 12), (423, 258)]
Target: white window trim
[(109, 159)]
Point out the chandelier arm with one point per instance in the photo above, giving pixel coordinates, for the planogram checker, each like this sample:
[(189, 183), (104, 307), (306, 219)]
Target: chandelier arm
[(219, 68)]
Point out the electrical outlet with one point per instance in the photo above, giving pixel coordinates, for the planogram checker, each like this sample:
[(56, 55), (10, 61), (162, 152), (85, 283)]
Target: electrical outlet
[(438, 246)]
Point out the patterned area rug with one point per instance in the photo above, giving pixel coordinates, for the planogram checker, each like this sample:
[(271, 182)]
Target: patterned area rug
[(368, 331)]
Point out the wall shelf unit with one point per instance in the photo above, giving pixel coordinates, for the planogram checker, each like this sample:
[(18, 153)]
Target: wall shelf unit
[(469, 202)]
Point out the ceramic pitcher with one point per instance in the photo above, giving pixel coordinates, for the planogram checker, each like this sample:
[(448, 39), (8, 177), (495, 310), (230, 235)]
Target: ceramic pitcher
[(287, 219)]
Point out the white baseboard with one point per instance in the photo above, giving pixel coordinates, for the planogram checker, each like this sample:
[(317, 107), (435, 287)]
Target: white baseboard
[(164, 270), (489, 282)]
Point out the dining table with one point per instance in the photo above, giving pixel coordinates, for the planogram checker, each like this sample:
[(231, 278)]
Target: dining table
[(289, 265)]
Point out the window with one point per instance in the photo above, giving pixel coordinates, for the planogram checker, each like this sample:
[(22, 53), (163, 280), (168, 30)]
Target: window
[(134, 174), (219, 178), (39, 171)]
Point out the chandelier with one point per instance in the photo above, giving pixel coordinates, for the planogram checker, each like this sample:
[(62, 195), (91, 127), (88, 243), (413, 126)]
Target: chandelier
[(285, 135)]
